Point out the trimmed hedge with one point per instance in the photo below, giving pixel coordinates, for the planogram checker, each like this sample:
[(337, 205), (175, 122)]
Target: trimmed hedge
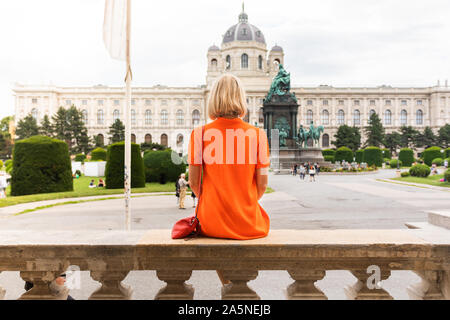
[(447, 175), (420, 170), (159, 166), (373, 156), (98, 154), (437, 161), (1, 164), (405, 174), (80, 157), (406, 156), (41, 165), (328, 158), (447, 153), (359, 155), (7, 162), (393, 163), (386, 153), (328, 152), (114, 172), (344, 153), (430, 154)]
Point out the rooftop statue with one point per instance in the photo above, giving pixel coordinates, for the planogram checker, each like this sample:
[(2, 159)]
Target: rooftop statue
[(281, 85)]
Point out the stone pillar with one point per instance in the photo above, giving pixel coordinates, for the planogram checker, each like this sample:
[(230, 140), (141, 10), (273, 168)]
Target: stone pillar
[(2, 292), (176, 287), (360, 291), (41, 285), (429, 288), (111, 287), (303, 287), (238, 288)]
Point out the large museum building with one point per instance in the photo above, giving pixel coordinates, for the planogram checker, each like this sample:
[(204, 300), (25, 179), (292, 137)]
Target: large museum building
[(167, 115)]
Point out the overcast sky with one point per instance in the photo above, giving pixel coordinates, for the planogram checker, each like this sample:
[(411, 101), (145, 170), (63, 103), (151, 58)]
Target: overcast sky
[(336, 42)]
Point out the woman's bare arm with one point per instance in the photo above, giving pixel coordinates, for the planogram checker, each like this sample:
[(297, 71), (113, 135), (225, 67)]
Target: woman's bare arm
[(262, 178), (195, 176)]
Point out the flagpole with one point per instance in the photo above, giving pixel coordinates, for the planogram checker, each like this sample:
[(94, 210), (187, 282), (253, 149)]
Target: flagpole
[(127, 165)]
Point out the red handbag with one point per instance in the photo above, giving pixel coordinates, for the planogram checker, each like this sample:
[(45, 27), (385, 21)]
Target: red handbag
[(188, 227)]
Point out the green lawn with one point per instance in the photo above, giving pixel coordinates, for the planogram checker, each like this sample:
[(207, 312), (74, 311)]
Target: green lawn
[(81, 189), (430, 180)]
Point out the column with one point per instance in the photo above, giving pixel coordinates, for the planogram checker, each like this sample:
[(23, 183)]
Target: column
[(361, 291), (176, 287), (41, 285), (303, 287), (429, 288), (238, 288), (111, 287)]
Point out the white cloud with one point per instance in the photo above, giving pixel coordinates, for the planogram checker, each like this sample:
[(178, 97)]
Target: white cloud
[(343, 43)]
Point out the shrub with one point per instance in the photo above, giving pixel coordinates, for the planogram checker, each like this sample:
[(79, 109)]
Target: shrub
[(1, 164), (159, 166), (447, 153), (447, 175), (344, 153), (420, 170), (437, 161), (328, 158), (115, 163), (80, 157), (8, 167), (328, 152), (405, 174), (98, 154), (41, 165), (406, 156), (386, 153), (386, 161), (359, 155), (393, 163), (430, 154), (373, 156)]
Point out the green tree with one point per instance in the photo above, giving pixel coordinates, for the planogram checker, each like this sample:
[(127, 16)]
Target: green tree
[(27, 127), (392, 141), (46, 128), (5, 138), (444, 136), (426, 139), (117, 131), (374, 131), (4, 125), (408, 136), (347, 136)]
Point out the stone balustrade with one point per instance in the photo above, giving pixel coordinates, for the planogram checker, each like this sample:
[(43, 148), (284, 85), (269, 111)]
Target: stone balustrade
[(304, 254)]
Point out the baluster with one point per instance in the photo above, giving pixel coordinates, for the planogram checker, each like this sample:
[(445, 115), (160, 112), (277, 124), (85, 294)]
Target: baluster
[(41, 286), (176, 287), (111, 287), (360, 290), (303, 287), (238, 289), (429, 288)]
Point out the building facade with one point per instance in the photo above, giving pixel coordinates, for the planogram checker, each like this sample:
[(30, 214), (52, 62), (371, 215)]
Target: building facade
[(167, 115)]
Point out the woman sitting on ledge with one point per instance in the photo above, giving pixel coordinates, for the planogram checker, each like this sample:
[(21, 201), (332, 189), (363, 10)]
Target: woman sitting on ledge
[(234, 157)]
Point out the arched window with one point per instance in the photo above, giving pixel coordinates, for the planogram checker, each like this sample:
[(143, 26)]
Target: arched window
[(116, 115), (148, 138), (148, 117), (388, 117), (164, 140), (214, 63), (356, 117), (325, 117), (133, 117), (260, 62), (100, 117), (84, 116), (195, 117), (180, 117), (180, 140), (325, 140), (100, 140), (133, 138), (228, 62), (244, 61), (419, 117), (341, 117), (164, 117), (34, 114), (309, 117), (403, 117), (371, 112)]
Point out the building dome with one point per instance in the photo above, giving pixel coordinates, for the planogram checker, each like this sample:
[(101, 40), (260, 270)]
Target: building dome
[(214, 48), (243, 31), (277, 48)]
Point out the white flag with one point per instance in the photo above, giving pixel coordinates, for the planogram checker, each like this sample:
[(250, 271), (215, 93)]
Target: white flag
[(115, 28)]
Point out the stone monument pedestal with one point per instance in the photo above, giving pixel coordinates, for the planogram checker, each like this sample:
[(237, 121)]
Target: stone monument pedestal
[(288, 157)]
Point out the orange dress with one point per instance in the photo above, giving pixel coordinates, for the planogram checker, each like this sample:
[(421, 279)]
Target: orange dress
[(230, 151)]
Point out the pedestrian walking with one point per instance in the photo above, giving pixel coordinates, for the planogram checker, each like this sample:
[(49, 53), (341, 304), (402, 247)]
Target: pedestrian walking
[(193, 198), (312, 173), (177, 191), (183, 187), (295, 169), (302, 172)]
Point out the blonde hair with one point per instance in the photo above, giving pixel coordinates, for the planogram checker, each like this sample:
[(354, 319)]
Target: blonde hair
[(227, 98)]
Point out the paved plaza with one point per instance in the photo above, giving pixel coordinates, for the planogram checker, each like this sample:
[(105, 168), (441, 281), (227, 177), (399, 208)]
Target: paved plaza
[(332, 202)]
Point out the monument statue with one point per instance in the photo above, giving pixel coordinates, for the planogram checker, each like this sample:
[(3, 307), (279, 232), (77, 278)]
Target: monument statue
[(281, 85), (283, 128), (314, 133)]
